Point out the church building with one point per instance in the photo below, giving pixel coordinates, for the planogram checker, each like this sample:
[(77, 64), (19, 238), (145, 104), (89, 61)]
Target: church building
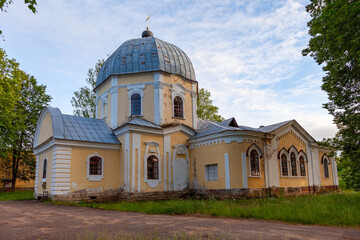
[(146, 138)]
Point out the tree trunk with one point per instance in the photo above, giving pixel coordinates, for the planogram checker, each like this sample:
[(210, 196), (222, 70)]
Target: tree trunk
[(14, 169)]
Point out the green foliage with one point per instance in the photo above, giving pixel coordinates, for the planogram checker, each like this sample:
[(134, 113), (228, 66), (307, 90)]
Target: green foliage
[(84, 99), (205, 109), (335, 43), (18, 195), (18, 121), (334, 209), (4, 4)]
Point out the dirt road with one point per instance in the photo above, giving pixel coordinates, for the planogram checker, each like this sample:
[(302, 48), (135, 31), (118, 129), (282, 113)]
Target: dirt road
[(34, 220)]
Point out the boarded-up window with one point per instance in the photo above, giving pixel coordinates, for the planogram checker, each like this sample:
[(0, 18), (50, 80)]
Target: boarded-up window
[(211, 172)]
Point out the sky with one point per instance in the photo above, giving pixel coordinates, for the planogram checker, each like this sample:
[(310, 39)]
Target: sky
[(246, 53)]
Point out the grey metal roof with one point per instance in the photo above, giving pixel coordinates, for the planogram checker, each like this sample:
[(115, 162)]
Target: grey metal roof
[(87, 129), (142, 122), (145, 55), (206, 127)]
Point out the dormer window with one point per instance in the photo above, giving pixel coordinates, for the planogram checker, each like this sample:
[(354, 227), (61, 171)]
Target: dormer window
[(178, 107), (135, 104)]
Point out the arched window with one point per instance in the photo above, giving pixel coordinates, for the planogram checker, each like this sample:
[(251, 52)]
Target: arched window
[(254, 163), (302, 166), (136, 105), (95, 165), (326, 168), (293, 164), (284, 165), (178, 107), (44, 168), (152, 167)]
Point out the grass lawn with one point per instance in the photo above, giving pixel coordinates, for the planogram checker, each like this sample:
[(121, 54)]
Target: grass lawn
[(17, 195), (333, 209)]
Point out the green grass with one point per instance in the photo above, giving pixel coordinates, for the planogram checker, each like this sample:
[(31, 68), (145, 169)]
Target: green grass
[(334, 209), (17, 195)]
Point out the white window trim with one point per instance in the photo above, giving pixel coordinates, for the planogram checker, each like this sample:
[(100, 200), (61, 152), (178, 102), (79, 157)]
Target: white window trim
[(257, 149), (139, 89), (94, 178), (104, 106), (301, 153), (152, 183)]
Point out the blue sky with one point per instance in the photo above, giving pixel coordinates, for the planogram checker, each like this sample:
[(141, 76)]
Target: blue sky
[(246, 53)]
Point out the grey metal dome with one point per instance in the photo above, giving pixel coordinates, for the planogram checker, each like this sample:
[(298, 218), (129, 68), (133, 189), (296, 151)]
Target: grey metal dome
[(146, 54)]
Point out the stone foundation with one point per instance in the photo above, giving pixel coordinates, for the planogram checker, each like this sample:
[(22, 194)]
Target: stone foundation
[(120, 195)]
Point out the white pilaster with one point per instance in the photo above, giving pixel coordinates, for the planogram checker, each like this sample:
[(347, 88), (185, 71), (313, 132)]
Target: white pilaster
[(227, 170), (61, 165), (194, 105), (244, 170), (135, 146), (114, 103), (126, 157), (167, 154), (158, 98)]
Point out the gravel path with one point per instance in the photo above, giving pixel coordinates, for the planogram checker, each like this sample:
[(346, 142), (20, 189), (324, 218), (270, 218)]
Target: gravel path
[(34, 220)]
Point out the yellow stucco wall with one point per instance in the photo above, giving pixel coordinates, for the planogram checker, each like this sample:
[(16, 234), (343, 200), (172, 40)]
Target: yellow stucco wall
[(325, 181), (286, 141), (111, 169), (214, 154), (48, 154), (46, 130), (167, 102)]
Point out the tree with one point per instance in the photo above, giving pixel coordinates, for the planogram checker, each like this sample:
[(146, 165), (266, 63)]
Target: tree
[(205, 109), (4, 4), (17, 132), (84, 99), (335, 43)]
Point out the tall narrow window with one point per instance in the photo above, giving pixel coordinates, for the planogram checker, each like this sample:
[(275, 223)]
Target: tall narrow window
[(284, 165), (104, 110), (302, 166), (136, 105), (152, 167), (293, 164), (95, 166), (326, 168), (254, 163), (44, 168), (178, 107)]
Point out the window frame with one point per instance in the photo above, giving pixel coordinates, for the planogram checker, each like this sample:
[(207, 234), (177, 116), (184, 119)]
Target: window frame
[(210, 176), (182, 107), (44, 172), (95, 177), (326, 164), (256, 163), (293, 164), (154, 175), (302, 170), (282, 165), (140, 104)]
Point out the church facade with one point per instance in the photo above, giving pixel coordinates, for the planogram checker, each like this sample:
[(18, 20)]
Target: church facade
[(146, 138)]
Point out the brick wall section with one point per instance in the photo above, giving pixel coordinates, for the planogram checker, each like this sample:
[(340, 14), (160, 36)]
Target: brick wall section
[(120, 195)]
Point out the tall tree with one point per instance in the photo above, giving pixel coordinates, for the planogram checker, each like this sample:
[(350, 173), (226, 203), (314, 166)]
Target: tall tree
[(19, 128), (84, 99), (335, 43), (205, 108)]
